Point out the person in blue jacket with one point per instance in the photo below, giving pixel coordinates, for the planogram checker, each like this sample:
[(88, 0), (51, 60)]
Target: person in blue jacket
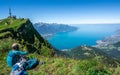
[(13, 55), (15, 62)]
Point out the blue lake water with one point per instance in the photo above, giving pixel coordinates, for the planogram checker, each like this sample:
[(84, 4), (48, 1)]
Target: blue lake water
[(85, 35)]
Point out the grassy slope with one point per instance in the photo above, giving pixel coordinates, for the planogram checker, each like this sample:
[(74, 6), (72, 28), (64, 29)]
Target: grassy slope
[(53, 65), (24, 33), (12, 23), (59, 66)]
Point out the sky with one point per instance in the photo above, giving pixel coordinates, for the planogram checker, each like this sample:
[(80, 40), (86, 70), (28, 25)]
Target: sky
[(64, 11)]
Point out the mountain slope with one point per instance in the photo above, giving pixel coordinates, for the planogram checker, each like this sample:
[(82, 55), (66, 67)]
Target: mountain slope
[(88, 53), (111, 45), (21, 31), (24, 33), (46, 29), (84, 52), (62, 66)]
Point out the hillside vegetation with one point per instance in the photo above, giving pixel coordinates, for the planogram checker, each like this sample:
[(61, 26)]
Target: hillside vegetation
[(111, 45), (61, 65), (91, 62), (23, 32)]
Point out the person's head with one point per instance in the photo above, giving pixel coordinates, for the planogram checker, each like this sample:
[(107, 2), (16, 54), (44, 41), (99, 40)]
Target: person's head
[(15, 46)]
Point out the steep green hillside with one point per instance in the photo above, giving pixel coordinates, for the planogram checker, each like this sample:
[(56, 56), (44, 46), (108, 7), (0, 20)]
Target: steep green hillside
[(23, 32), (85, 52), (62, 66), (56, 65), (88, 53), (112, 49)]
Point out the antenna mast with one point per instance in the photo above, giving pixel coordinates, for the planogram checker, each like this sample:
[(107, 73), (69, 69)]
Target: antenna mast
[(10, 14)]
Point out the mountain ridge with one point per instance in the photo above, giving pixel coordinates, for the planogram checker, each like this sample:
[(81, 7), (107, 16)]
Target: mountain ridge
[(24, 33), (49, 29)]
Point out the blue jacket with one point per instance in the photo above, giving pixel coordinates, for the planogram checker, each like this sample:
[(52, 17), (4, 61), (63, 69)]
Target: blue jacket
[(12, 57)]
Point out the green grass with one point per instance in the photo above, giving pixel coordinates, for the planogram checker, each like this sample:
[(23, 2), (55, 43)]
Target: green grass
[(13, 23), (18, 29), (57, 65), (54, 65), (60, 66), (5, 44), (5, 34)]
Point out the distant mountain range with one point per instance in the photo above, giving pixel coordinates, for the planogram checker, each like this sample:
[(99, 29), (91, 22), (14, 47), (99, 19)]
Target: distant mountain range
[(49, 29)]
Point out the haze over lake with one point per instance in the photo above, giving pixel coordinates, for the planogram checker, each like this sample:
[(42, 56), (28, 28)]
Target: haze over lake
[(87, 34)]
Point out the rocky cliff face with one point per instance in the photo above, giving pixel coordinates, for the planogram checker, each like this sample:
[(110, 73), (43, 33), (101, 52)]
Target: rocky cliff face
[(23, 32)]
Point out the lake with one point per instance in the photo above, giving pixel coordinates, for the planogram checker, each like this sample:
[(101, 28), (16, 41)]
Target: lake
[(87, 34)]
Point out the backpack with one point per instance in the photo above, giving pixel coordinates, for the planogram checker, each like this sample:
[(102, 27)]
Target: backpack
[(18, 68)]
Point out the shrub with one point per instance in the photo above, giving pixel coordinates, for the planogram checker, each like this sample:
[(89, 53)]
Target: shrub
[(98, 71), (5, 44)]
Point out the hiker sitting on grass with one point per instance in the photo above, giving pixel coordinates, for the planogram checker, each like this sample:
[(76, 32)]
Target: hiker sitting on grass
[(22, 64), (21, 67), (13, 55)]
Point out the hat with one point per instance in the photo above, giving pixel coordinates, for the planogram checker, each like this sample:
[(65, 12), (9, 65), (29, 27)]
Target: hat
[(15, 46)]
